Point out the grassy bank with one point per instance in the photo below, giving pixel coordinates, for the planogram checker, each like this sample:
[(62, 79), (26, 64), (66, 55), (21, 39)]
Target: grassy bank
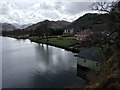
[(109, 76), (65, 42)]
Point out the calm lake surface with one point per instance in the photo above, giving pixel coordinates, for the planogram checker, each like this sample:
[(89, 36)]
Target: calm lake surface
[(30, 65)]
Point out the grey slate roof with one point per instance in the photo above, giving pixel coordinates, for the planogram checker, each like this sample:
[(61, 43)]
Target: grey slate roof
[(92, 53)]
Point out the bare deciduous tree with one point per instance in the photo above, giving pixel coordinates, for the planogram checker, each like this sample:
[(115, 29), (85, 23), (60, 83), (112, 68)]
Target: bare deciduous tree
[(113, 9), (103, 6)]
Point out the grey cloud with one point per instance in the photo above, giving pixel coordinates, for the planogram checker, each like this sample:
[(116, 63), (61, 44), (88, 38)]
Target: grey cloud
[(31, 12), (4, 9), (77, 7), (51, 15), (58, 5), (45, 6)]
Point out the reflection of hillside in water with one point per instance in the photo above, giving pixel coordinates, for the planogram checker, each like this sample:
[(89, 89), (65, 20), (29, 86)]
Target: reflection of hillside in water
[(85, 73), (31, 65)]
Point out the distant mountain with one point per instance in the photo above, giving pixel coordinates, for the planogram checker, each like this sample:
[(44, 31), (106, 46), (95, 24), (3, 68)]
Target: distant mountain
[(50, 24), (13, 26), (95, 22), (7, 27), (20, 26)]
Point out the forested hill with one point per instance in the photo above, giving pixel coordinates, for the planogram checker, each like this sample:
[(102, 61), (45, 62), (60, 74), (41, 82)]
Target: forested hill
[(7, 27), (93, 21), (50, 24), (90, 21)]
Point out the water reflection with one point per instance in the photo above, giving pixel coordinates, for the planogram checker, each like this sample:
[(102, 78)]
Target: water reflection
[(87, 69), (85, 73), (37, 65), (53, 60)]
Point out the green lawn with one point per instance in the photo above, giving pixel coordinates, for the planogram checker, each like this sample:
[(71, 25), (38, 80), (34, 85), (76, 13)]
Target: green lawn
[(34, 38), (62, 41)]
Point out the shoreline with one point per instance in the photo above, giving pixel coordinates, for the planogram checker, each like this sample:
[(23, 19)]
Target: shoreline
[(65, 48), (62, 47)]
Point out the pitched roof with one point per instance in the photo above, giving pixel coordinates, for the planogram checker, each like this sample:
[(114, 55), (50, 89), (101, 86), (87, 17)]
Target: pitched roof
[(92, 53)]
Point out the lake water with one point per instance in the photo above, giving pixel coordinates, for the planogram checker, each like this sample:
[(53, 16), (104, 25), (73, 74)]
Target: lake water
[(27, 64)]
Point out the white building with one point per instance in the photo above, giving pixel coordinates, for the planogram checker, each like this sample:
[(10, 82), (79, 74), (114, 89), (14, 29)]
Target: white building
[(68, 31)]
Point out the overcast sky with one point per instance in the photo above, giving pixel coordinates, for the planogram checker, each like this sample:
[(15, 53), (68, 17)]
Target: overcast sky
[(33, 11)]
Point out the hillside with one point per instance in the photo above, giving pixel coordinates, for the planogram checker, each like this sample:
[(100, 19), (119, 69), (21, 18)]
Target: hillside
[(109, 76), (87, 21), (7, 27), (90, 21), (50, 24), (18, 26)]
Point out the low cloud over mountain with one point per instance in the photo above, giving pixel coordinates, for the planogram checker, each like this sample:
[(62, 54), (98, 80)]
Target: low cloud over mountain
[(33, 11)]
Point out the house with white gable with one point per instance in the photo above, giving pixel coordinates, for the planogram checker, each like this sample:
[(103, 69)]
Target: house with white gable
[(68, 31)]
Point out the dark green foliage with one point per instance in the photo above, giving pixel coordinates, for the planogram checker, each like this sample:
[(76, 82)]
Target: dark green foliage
[(90, 21), (15, 32), (115, 22), (58, 32)]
